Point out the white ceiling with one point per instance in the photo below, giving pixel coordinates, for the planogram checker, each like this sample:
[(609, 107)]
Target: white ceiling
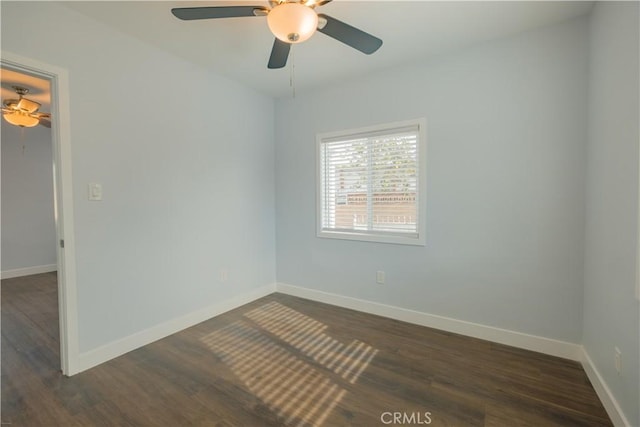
[(239, 48)]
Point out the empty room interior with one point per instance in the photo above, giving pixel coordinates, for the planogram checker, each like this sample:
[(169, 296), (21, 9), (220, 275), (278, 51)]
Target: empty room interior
[(320, 213)]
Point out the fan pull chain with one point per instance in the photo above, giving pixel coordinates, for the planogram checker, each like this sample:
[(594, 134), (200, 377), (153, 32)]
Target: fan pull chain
[(292, 76), (22, 139)]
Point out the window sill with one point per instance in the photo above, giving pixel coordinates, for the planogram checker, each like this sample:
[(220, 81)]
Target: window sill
[(416, 240)]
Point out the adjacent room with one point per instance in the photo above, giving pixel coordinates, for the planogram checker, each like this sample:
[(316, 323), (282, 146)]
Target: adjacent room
[(320, 213)]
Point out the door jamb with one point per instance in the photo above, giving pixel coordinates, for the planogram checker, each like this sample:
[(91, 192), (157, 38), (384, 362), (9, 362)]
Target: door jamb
[(63, 201)]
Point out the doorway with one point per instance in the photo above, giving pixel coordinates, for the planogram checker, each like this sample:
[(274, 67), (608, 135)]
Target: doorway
[(30, 316), (28, 220), (60, 168)]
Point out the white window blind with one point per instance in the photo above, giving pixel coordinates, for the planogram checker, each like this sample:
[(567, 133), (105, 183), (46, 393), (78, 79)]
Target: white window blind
[(370, 184)]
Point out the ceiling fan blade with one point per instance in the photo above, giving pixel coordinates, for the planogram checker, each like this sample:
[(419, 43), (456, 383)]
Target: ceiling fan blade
[(45, 121), (191, 13), (357, 39), (279, 54), (315, 3)]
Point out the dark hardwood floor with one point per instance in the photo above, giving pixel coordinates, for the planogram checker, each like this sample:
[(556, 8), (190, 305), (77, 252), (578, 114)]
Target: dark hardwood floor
[(284, 361)]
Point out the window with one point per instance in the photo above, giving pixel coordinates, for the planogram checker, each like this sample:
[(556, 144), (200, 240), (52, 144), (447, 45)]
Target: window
[(371, 183)]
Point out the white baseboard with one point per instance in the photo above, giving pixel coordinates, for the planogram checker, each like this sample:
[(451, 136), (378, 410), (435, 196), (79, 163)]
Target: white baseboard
[(119, 347), (602, 390), (502, 336), (28, 271)]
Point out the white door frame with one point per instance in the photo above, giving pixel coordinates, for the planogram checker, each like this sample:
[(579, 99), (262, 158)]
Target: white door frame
[(63, 201)]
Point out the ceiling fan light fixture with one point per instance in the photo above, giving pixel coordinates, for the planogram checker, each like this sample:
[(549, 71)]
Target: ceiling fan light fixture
[(27, 105), (22, 119), (292, 22)]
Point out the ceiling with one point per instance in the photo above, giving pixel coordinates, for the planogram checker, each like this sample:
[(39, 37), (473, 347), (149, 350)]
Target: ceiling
[(239, 48), (39, 89)]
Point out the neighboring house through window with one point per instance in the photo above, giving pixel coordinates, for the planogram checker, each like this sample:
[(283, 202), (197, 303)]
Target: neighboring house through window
[(372, 182)]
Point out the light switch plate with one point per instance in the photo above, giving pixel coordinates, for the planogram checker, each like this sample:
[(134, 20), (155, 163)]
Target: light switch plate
[(95, 192)]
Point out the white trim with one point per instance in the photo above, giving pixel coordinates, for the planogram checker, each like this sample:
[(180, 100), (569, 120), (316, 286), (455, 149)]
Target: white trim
[(502, 336), (638, 233), (28, 271), (371, 236), (604, 393), (124, 345), (63, 187)]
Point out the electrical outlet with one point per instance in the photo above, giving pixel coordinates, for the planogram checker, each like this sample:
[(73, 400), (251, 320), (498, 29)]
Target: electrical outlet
[(224, 275), (617, 360), (380, 277)]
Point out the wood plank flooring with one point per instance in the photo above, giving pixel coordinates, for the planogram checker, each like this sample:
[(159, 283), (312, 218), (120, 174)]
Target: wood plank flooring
[(284, 361)]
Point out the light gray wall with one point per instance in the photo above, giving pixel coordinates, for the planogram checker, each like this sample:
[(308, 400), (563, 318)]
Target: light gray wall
[(28, 225), (611, 315), (185, 158), (190, 190), (506, 131)]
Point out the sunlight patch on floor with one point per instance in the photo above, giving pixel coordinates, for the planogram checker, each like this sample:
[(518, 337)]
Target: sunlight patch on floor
[(289, 362), (308, 336)]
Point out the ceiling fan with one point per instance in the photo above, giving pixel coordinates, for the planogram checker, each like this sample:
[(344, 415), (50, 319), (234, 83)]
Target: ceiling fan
[(290, 21), (23, 112)]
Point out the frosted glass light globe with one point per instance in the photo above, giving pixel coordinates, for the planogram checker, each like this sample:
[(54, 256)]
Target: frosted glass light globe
[(21, 118), (292, 22)]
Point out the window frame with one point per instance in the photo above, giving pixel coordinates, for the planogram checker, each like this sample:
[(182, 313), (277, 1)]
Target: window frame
[(421, 193)]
